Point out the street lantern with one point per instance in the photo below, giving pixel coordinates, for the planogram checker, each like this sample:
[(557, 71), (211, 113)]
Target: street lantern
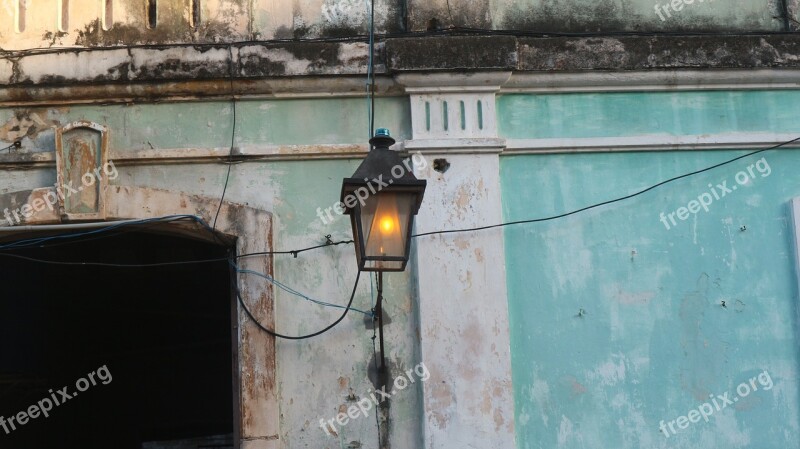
[(382, 197)]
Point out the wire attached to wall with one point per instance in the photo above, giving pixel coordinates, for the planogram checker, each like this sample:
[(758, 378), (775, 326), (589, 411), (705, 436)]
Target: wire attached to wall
[(301, 337), (296, 252), (233, 136), (42, 241), (16, 146), (371, 70), (604, 203)]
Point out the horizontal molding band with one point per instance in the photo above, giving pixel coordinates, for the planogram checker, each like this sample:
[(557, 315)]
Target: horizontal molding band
[(197, 90), (249, 153), (460, 145), (730, 141), (266, 153), (671, 80), (346, 86)]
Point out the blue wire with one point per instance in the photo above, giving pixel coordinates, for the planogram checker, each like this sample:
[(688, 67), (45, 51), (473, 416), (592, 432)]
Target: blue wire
[(292, 291), (37, 241), (370, 69)]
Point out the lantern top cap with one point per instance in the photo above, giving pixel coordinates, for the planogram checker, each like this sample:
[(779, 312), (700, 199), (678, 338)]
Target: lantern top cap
[(382, 132)]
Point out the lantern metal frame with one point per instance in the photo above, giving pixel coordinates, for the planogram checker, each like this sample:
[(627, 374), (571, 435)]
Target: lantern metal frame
[(380, 165)]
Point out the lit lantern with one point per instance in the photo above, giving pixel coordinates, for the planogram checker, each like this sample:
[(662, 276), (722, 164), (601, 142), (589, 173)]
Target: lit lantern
[(382, 197)]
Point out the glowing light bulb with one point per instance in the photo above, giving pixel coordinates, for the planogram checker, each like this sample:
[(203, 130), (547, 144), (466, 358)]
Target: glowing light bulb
[(387, 225)]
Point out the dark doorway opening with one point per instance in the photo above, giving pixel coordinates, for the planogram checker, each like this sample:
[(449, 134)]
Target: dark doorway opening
[(150, 351)]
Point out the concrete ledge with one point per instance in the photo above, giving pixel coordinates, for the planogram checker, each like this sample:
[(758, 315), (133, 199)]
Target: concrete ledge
[(570, 54), (292, 69), (452, 53)]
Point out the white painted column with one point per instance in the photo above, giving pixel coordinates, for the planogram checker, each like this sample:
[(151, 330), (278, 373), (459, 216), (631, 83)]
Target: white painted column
[(463, 304)]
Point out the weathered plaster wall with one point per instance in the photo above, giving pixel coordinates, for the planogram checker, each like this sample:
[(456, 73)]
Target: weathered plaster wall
[(617, 322), (598, 16), (87, 22), (41, 23), (316, 378), (208, 124)]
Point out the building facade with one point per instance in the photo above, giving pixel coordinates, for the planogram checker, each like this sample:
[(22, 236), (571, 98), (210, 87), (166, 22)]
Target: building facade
[(618, 325)]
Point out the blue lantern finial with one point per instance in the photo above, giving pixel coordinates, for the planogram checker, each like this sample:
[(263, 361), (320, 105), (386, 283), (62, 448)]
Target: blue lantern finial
[(382, 132)]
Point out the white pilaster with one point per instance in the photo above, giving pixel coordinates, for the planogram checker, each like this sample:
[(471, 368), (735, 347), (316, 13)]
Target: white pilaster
[(463, 305)]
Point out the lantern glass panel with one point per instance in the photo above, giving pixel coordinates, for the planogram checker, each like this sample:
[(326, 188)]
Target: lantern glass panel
[(385, 219)]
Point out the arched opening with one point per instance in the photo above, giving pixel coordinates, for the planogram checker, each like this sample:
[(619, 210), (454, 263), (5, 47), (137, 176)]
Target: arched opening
[(150, 351)]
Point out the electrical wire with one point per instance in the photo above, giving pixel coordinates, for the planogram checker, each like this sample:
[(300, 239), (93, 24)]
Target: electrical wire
[(39, 241), (375, 354), (371, 119), (233, 136), (294, 292), (295, 253), (112, 265), (17, 144), (450, 14), (372, 68), (301, 337), (616, 200)]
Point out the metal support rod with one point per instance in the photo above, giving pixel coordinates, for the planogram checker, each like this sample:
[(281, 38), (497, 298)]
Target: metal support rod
[(383, 374), (379, 310)]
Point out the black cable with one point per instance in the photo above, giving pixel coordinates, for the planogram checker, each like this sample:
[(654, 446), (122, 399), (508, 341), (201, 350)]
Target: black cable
[(17, 144), (450, 14), (137, 228), (302, 337), (233, 138), (555, 217), (372, 69), (297, 251), (345, 242), (375, 357), (114, 225), (114, 265), (162, 264), (785, 15)]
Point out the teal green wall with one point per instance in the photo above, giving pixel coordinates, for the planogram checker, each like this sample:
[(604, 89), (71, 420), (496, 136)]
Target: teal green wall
[(208, 124), (659, 113), (617, 322)]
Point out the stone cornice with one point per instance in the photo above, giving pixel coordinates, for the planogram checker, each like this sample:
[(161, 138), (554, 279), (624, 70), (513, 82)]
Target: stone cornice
[(324, 69)]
